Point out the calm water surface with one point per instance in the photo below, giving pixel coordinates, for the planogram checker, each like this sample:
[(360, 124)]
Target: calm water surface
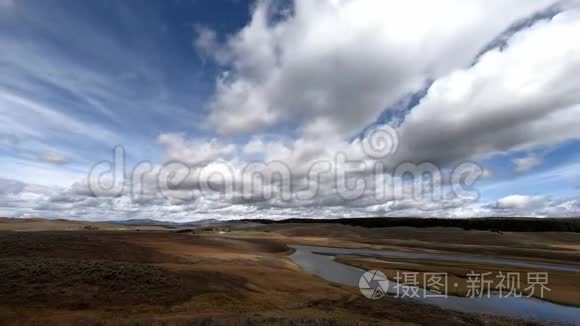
[(320, 261)]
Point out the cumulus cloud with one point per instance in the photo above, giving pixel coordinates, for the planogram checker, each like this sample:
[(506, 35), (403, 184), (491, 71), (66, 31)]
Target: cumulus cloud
[(319, 67), (194, 152), (304, 175), (306, 67), (323, 61), (506, 101), (24, 200), (524, 164), (255, 146), (515, 202), (516, 98)]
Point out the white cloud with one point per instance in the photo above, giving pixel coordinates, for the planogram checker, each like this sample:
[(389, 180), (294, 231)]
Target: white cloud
[(255, 146), (330, 68), (194, 152), (10, 186), (35, 172), (26, 118), (21, 199), (524, 164), (517, 98), (346, 61), (520, 96), (520, 202), (53, 158)]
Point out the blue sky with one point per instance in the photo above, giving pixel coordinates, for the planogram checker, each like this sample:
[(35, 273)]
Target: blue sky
[(230, 81), (128, 69)]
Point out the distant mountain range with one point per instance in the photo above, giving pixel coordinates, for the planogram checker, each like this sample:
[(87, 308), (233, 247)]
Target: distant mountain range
[(168, 224)]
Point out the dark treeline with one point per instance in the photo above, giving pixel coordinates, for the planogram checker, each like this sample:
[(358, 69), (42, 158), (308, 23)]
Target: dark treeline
[(491, 224)]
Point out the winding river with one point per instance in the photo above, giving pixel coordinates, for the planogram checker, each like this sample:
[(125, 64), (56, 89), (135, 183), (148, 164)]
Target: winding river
[(320, 261)]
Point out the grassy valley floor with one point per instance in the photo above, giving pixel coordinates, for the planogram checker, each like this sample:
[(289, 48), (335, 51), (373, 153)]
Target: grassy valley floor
[(238, 275)]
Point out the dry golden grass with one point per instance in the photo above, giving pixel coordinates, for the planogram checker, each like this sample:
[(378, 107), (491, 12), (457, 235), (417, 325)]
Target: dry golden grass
[(172, 278)]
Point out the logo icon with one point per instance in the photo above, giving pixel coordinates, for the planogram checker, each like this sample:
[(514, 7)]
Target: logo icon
[(373, 284)]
